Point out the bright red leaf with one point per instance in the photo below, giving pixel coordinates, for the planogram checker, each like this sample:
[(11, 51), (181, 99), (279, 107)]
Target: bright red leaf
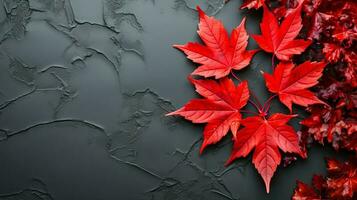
[(291, 83), (220, 54), (267, 136), (220, 108), (280, 40)]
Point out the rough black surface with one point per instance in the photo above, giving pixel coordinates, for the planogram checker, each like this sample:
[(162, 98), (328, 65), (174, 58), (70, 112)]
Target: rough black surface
[(84, 86)]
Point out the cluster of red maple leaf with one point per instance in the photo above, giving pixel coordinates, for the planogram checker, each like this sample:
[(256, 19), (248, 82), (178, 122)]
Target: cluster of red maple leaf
[(340, 183), (331, 25), (288, 28)]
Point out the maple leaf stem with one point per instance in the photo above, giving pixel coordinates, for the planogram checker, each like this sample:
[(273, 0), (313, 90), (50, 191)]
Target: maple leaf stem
[(236, 77), (267, 104), (257, 105), (272, 62), (248, 111)]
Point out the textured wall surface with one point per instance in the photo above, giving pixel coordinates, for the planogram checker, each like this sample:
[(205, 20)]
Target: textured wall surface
[(84, 86)]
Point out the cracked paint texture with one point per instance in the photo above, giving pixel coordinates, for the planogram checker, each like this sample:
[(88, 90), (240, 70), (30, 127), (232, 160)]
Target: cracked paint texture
[(84, 87)]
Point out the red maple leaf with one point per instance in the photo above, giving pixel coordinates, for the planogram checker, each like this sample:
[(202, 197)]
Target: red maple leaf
[(267, 136), (291, 83), (220, 54), (220, 108), (280, 40)]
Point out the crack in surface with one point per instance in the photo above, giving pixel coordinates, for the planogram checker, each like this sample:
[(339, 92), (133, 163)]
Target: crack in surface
[(29, 75), (211, 7), (86, 123), (37, 190)]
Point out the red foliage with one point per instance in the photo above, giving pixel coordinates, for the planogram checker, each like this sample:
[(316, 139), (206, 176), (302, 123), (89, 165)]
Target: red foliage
[(332, 25), (328, 68), (221, 108), (340, 183)]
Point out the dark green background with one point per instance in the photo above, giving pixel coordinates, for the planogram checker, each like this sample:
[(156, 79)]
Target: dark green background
[(84, 86)]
